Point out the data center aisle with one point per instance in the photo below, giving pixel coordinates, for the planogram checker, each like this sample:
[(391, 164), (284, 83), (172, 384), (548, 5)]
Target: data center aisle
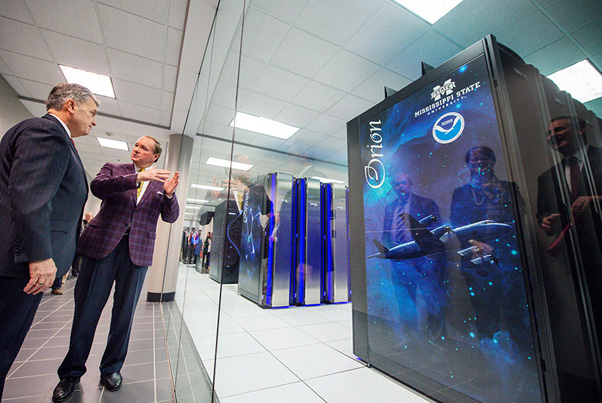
[(146, 376), (295, 354)]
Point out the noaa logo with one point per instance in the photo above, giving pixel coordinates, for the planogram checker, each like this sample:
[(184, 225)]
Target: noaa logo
[(448, 127)]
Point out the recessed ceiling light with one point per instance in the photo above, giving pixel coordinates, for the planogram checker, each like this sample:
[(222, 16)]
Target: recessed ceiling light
[(263, 125), (429, 10), (207, 187), (97, 83), (196, 201), (226, 164), (327, 180), (110, 143), (582, 80)]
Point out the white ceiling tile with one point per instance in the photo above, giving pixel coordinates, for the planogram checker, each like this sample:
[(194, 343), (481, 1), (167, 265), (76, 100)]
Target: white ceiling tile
[(165, 119), (109, 106), (132, 34), (296, 115), (285, 10), (167, 101), (389, 31), (112, 152), (177, 13), (250, 70), (279, 83), (140, 70), (341, 134), (262, 35), (137, 94), (32, 69), (589, 37), (547, 60), (574, 14), (373, 88), (349, 107), (472, 20), (36, 89), (58, 16), (74, 52), (15, 83), (174, 46), (305, 137), (297, 48), (140, 113), (535, 26), (22, 38), (318, 97), (170, 76), (16, 10), (346, 71), (220, 115), (407, 63), (334, 20), (4, 68), (261, 105), (89, 140), (87, 148), (326, 124), (152, 9)]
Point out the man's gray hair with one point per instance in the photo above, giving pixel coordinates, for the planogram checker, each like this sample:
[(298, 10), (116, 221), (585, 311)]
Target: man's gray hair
[(64, 91)]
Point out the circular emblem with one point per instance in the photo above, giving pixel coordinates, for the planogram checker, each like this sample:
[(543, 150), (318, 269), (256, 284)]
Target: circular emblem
[(448, 127)]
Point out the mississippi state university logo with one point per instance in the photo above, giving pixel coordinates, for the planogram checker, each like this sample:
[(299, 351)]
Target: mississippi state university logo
[(446, 89), (448, 127)]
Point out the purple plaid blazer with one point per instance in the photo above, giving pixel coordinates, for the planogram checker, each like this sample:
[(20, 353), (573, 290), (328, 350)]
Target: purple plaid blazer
[(116, 186)]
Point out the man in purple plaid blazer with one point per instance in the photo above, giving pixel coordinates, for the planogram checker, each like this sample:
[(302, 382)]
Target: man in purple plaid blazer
[(117, 247)]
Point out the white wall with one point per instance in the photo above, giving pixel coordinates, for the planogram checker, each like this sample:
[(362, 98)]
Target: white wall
[(12, 110)]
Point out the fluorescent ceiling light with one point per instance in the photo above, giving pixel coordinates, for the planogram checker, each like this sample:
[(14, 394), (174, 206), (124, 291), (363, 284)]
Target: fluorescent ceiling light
[(429, 10), (109, 143), (207, 187), (226, 164), (196, 201), (193, 207), (582, 80), (97, 83), (327, 180), (262, 125)]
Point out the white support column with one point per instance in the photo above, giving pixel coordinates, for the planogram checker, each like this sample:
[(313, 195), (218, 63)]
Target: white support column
[(163, 274)]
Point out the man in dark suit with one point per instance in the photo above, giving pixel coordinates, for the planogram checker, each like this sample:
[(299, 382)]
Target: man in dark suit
[(43, 189), (117, 247), (394, 229), (568, 207)]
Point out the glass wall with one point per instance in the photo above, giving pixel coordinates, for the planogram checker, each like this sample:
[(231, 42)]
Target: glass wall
[(238, 325)]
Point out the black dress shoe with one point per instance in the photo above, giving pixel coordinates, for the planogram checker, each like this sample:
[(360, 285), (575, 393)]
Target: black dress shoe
[(111, 382), (64, 389)]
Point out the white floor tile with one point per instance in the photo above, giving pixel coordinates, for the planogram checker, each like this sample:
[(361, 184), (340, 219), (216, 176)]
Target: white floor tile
[(315, 361), (278, 339), (298, 316), (252, 372), (293, 393), (361, 386), (344, 346), (327, 331), (256, 323)]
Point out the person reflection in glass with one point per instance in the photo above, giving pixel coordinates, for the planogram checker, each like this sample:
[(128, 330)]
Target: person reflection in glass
[(575, 181), (421, 278), (486, 197)]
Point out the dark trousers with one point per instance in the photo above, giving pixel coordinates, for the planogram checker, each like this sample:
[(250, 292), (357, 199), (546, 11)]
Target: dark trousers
[(17, 311), (92, 291), (57, 283)]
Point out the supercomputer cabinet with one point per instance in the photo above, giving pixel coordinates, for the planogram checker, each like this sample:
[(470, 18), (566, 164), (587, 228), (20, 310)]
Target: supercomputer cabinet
[(307, 282), (461, 288), (267, 235), (335, 243), (225, 243)]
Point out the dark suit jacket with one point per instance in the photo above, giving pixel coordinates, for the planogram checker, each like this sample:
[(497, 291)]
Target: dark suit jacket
[(116, 186), (420, 207), (551, 184), (43, 189)]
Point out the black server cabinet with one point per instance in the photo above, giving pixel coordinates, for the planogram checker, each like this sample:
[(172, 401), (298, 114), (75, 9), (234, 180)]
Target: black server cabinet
[(225, 243), (447, 286)]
